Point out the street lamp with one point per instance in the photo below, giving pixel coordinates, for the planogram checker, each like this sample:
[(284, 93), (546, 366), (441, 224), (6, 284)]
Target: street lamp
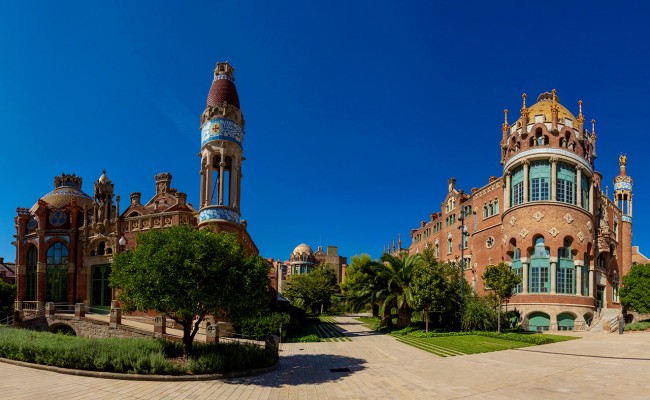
[(463, 234), (122, 242)]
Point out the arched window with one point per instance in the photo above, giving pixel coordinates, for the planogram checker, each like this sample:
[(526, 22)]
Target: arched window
[(449, 246), (32, 261), (540, 180), (584, 187), (585, 275), (437, 251), (485, 211), (517, 268), (517, 186), (539, 267), (566, 183), (496, 206), (565, 275), (490, 209), (56, 278), (101, 250)]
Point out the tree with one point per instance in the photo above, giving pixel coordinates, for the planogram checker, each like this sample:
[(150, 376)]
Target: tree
[(501, 280), (635, 293), (187, 274), (429, 286), (358, 285), (396, 274), (313, 289), (7, 298)]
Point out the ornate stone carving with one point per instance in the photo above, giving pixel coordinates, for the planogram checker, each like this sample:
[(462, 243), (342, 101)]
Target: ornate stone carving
[(538, 216), (589, 226), (524, 232), (505, 239), (568, 218), (581, 236), (553, 231), (513, 220), (489, 243)]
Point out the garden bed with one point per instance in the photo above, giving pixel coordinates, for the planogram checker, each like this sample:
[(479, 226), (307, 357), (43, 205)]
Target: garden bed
[(130, 356)]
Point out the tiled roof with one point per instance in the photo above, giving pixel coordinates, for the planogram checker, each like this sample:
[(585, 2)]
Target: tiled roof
[(223, 89), (62, 196)]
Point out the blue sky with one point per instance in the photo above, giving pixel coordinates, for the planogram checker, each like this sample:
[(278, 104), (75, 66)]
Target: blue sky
[(356, 113)]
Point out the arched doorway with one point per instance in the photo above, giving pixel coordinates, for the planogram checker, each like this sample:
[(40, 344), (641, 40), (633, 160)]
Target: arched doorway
[(539, 321), (565, 322)]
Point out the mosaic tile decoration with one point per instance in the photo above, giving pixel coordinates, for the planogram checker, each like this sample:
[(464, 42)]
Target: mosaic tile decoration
[(626, 218), (218, 213), (222, 129), (622, 186), (57, 218)]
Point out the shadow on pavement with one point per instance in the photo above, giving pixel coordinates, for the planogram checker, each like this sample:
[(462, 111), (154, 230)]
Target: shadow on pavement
[(310, 369)]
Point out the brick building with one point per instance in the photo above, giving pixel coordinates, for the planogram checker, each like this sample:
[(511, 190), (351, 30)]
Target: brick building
[(547, 217), (303, 260), (65, 242)]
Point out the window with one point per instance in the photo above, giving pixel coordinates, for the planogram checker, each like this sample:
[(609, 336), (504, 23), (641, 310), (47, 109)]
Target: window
[(566, 183), (517, 183), (540, 180), (449, 246), (585, 276), (496, 206), (615, 292), (485, 211), (517, 268), (32, 259), (56, 278), (437, 251), (539, 268), (465, 238), (584, 186)]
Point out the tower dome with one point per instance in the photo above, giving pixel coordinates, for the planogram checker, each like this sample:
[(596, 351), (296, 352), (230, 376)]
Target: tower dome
[(66, 188), (303, 248), (223, 86), (544, 106)]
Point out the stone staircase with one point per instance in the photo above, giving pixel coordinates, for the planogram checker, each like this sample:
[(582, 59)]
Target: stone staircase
[(608, 321)]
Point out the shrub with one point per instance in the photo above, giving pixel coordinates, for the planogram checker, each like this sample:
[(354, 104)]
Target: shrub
[(478, 315), (638, 326), (261, 327), (304, 339)]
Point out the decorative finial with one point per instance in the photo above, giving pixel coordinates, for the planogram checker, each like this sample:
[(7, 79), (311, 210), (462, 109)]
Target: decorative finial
[(581, 118), (553, 92), (505, 126), (524, 110), (593, 129), (554, 106), (524, 97), (622, 160)]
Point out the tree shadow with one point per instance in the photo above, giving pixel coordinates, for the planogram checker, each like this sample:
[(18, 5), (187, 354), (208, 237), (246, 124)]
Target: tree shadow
[(306, 369)]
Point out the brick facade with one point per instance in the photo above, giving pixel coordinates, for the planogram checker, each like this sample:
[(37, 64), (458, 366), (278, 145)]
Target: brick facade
[(547, 216)]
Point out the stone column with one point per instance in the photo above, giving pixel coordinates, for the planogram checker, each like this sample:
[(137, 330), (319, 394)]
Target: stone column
[(553, 273), (579, 186), (208, 185), (553, 178), (591, 282), (578, 271), (524, 265), (159, 326), (222, 164), (79, 310), (211, 334), (116, 316), (526, 168), (506, 192), (40, 283), (49, 309), (591, 198)]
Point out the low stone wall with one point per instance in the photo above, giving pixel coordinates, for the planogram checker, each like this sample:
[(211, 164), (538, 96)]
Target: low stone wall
[(83, 327)]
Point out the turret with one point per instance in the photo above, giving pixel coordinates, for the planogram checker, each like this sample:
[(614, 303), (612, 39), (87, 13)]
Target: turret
[(623, 199)]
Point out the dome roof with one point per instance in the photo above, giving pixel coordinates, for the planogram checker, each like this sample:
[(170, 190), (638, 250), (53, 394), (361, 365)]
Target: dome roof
[(543, 106), (223, 86), (62, 196), (66, 188), (303, 248)]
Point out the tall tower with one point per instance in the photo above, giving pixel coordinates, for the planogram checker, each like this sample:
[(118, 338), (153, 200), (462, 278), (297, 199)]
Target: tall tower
[(222, 134), (623, 198)]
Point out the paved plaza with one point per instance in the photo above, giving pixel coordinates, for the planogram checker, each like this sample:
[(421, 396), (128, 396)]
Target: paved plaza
[(596, 366)]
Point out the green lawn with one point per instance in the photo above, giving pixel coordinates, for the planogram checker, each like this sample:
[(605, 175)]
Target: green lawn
[(325, 330), (458, 345)]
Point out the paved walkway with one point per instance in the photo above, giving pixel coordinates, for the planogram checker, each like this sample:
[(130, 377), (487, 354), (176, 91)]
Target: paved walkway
[(597, 366)]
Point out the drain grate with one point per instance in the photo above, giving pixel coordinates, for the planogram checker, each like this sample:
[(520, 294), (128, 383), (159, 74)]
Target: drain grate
[(339, 369)]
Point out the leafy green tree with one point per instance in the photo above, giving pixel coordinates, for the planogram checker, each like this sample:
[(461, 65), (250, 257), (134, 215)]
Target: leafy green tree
[(313, 289), (358, 285), (501, 280), (635, 293), (187, 274), (7, 298), (431, 289), (479, 314)]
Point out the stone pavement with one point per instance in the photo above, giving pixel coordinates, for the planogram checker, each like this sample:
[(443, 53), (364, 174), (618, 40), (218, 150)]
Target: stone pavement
[(596, 366)]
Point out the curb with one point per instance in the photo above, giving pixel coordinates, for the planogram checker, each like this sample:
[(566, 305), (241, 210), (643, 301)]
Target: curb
[(141, 377)]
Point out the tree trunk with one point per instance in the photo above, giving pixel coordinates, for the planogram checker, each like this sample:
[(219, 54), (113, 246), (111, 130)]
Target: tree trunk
[(375, 310), (404, 317), (426, 319), (321, 308), (187, 337), (387, 317), (499, 316)]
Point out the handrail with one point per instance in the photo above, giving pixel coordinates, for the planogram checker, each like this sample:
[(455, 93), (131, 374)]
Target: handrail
[(7, 321)]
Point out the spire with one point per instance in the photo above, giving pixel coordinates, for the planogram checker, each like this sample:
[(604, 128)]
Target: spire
[(505, 127), (555, 109), (581, 118), (524, 115), (399, 241), (622, 161)]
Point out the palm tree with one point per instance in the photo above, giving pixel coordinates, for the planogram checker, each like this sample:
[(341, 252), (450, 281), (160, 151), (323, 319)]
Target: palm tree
[(395, 274)]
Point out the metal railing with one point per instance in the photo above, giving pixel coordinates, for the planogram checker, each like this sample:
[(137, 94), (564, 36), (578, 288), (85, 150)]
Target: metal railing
[(7, 321), (30, 306)]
